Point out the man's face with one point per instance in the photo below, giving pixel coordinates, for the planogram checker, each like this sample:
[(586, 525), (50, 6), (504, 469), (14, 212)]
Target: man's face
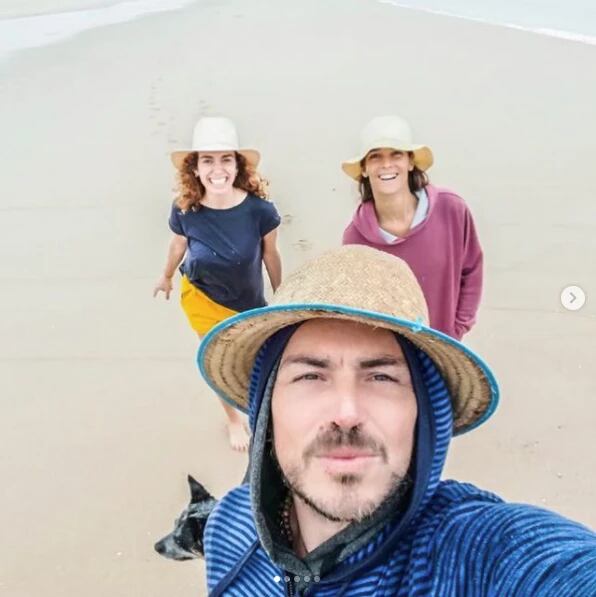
[(344, 412)]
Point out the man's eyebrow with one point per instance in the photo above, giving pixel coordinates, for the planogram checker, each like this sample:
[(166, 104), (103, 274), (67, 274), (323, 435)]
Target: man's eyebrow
[(383, 361), (301, 359)]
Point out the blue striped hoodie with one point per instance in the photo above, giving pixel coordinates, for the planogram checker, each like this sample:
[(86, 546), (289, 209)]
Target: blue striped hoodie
[(450, 539)]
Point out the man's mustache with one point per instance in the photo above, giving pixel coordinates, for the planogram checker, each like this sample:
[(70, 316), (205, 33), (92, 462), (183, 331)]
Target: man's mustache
[(336, 436)]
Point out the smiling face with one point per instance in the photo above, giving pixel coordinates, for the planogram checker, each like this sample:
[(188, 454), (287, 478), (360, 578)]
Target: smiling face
[(388, 169), (217, 171), (343, 413)]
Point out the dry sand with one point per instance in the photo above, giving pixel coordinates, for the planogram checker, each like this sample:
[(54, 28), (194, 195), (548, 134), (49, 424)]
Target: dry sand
[(103, 414)]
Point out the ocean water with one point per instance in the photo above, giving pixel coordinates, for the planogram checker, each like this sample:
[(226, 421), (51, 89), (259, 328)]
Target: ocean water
[(567, 19), (40, 30)]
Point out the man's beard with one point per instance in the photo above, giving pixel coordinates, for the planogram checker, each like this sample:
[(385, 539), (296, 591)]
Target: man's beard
[(342, 511), (397, 488)]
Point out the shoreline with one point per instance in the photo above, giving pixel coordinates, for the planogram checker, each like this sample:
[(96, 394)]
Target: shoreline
[(21, 9), (567, 35), (57, 25), (25, 32)]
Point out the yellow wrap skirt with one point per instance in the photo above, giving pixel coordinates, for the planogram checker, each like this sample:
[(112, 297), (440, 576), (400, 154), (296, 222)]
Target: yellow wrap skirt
[(201, 311)]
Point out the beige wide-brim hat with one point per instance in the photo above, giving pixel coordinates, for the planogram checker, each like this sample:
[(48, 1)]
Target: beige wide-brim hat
[(215, 133), (352, 283), (392, 132)]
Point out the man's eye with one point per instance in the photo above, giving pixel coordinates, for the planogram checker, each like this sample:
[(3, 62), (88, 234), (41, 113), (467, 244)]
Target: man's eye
[(384, 377), (308, 377)]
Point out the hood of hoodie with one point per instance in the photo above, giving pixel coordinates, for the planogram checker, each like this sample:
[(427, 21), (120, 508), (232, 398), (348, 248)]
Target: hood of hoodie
[(360, 545), (365, 220)]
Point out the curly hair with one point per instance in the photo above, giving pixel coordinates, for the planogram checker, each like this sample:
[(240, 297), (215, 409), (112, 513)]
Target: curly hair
[(417, 179), (191, 189)]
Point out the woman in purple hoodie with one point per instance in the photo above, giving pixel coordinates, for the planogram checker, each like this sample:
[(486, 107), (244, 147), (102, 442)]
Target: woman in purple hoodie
[(430, 228)]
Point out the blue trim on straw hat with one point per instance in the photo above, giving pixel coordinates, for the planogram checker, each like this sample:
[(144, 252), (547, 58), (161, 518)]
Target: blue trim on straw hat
[(415, 326)]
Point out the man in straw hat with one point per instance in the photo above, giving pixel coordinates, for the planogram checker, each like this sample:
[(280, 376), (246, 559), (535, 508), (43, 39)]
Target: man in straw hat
[(352, 402), (429, 227)]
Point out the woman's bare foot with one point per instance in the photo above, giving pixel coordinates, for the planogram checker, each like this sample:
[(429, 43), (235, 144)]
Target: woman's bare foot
[(238, 435), (238, 432)]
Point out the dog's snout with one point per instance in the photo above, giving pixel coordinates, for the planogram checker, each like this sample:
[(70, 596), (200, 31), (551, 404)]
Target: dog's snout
[(160, 547)]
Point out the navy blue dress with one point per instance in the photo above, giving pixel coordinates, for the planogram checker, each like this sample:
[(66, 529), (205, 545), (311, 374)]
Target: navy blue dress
[(224, 257)]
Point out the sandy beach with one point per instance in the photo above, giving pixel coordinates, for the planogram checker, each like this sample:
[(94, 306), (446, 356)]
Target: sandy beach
[(103, 412)]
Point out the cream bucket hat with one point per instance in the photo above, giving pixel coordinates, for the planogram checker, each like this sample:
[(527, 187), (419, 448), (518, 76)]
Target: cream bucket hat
[(352, 283), (388, 131), (215, 133)]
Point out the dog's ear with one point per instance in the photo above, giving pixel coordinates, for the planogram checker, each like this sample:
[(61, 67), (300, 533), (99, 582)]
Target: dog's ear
[(197, 492)]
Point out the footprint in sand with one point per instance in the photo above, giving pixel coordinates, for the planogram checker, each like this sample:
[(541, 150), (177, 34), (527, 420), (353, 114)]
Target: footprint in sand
[(153, 104), (303, 245), (160, 122), (287, 219), (205, 109)]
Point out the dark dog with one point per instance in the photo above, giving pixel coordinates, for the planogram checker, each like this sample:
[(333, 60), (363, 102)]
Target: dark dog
[(185, 542)]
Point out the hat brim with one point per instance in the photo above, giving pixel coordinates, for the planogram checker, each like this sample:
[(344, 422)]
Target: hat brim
[(423, 159), (253, 157), (227, 354)]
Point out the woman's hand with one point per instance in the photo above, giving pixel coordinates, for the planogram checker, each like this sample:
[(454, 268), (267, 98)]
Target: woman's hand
[(176, 251), (164, 284), (272, 259)]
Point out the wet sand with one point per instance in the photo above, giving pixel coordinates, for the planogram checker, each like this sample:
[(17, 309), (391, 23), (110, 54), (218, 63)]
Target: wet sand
[(103, 410)]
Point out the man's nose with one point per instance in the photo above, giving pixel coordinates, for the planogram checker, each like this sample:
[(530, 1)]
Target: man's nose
[(348, 409)]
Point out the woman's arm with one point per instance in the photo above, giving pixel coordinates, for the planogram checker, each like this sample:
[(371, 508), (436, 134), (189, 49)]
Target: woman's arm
[(176, 252), (471, 280), (272, 259)]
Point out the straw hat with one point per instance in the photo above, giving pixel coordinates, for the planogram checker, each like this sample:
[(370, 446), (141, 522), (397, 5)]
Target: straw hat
[(215, 133), (353, 283), (388, 131)]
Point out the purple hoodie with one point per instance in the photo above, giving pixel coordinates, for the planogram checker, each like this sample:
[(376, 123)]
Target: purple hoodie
[(444, 253)]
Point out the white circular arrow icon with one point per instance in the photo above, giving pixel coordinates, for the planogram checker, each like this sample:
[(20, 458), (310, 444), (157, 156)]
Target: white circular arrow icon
[(573, 298)]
